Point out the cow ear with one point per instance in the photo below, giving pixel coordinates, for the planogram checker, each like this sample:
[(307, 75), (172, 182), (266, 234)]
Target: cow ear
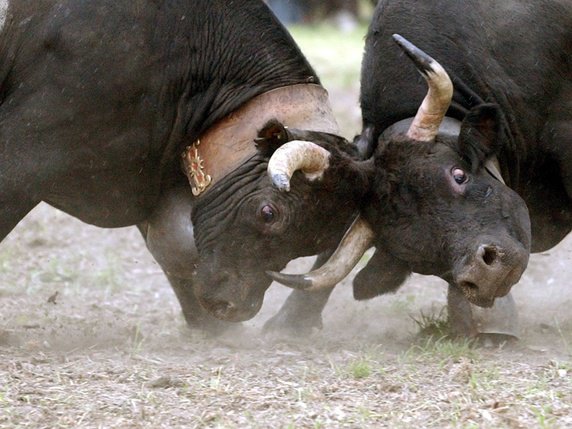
[(480, 137), (272, 135)]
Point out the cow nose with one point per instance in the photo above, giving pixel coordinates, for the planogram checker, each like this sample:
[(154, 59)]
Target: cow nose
[(488, 254), (491, 270), (222, 309)]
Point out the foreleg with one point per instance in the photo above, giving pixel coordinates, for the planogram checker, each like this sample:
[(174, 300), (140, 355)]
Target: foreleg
[(302, 310)]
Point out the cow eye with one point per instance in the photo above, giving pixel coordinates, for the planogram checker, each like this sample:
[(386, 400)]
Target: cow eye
[(267, 213), (459, 175)]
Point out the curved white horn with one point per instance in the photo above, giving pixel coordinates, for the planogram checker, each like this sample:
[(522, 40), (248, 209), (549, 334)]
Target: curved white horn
[(426, 124), (295, 155), (357, 239)]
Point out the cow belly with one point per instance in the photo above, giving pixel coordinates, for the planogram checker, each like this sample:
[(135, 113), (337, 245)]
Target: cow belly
[(105, 199)]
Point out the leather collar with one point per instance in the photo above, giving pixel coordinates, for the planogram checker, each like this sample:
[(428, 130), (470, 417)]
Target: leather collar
[(230, 141)]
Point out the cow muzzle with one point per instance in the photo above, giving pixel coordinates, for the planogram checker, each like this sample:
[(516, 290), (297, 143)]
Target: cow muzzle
[(491, 270), (229, 297), (231, 310)]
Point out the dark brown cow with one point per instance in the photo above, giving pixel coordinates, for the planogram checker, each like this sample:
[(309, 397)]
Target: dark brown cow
[(438, 204), (101, 101)]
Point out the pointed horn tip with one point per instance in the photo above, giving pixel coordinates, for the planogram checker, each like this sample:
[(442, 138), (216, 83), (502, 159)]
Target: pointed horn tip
[(294, 281), (297, 155), (423, 62), (399, 39), (405, 44)]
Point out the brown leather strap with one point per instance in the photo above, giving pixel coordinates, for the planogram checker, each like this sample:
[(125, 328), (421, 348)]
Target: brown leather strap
[(230, 142)]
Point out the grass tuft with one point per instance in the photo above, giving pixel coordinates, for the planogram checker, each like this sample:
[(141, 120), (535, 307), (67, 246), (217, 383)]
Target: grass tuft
[(434, 325), (360, 368)]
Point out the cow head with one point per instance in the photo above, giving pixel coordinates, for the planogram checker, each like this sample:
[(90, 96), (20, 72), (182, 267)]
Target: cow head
[(437, 204), (294, 197)]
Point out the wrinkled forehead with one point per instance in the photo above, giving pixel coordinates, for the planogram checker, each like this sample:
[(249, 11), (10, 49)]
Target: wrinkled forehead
[(448, 130), (442, 149)]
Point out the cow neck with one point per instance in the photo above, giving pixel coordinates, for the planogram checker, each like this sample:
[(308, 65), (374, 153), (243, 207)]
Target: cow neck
[(230, 142)]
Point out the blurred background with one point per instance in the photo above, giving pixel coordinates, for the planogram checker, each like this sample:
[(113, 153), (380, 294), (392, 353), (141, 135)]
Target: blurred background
[(331, 35), (345, 13)]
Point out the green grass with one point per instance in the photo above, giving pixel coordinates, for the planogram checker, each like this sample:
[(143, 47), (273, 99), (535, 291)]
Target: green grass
[(433, 325), (442, 349), (360, 368), (335, 55), (543, 417)]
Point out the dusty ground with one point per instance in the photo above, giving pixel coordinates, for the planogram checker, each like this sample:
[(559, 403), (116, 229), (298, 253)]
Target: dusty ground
[(91, 336)]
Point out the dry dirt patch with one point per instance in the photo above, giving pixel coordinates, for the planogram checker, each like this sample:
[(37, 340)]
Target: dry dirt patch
[(92, 336)]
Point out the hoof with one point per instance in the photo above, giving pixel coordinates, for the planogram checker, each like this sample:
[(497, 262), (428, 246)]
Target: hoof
[(499, 321), (494, 340)]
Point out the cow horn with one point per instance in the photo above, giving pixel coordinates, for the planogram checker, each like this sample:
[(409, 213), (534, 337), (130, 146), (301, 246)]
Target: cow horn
[(357, 239), (295, 155), (426, 124)]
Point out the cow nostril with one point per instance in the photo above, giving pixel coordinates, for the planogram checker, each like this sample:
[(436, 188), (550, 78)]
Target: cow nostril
[(221, 307), (489, 254), (468, 285)]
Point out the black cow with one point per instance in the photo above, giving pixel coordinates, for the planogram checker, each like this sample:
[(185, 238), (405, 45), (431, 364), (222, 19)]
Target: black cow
[(102, 101), (438, 205)]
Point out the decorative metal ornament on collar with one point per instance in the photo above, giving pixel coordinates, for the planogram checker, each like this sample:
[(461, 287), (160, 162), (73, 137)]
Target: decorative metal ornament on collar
[(195, 170)]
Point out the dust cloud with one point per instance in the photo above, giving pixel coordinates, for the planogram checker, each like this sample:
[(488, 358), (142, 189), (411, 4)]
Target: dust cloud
[(67, 285)]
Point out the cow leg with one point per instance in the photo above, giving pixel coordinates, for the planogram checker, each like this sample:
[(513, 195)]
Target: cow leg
[(12, 210), (302, 311), (460, 313), (495, 324), (19, 179), (498, 323), (169, 236)]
